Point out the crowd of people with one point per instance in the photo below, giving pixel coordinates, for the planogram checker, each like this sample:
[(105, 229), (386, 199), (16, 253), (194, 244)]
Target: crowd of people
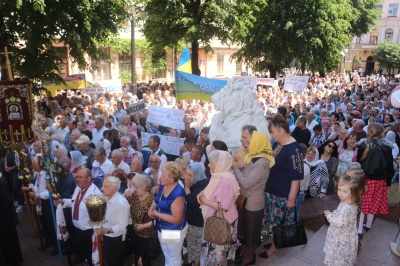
[(339, 135)]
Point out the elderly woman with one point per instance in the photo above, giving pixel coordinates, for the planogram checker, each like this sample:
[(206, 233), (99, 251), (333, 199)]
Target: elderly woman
[(123, 127), (319, 175), (59, 152), (126, 157), (342, 135), (168, 208), (252, 175), (222, 191), (329, 154), (77, 161), (195, 182), (140, 202), (106, 145), (284, 179)]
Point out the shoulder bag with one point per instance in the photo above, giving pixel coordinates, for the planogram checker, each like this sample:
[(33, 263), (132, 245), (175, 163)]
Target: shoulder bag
[(170, 235), (154, 248), (289, 235), (217, 229)]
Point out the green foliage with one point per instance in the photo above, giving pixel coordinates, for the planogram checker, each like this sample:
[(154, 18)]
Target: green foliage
[(143, 51), (388, 55), (197, 22), (313, 32), (30, 28)]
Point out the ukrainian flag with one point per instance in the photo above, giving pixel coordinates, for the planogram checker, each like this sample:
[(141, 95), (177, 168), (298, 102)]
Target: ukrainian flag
[(185, 64)]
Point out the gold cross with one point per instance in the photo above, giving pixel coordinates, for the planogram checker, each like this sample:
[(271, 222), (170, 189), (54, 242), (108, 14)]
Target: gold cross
[(29, 132), (5, 132), (17, 134), (8, 64)]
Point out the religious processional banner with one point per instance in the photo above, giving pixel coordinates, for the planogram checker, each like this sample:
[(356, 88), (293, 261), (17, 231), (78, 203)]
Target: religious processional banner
[(296, 83), (167, 117), (190, 86), (16, 112), (170, 145)]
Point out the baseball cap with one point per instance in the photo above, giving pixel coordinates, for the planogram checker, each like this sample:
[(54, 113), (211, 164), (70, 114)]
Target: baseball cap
[(83, 139)]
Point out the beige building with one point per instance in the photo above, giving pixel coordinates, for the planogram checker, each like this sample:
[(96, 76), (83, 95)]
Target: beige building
[(361, 51)]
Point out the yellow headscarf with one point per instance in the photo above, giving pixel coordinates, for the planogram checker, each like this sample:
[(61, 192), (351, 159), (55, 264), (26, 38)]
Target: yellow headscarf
[(260, 146)]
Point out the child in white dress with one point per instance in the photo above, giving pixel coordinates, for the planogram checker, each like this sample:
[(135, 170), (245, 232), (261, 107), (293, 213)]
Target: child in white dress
[(341, 242)]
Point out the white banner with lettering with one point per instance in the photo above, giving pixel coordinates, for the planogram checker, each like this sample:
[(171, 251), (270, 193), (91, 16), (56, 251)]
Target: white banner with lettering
[(295, 83), (94, 90), (136, 107), (112, 85), (167, 117), (169, 145)]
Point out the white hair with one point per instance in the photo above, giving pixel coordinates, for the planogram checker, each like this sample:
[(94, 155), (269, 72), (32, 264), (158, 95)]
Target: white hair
[(115, 182)]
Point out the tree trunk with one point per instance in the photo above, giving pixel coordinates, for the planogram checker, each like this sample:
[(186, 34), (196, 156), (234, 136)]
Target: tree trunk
[(195, 58), (272, 71)]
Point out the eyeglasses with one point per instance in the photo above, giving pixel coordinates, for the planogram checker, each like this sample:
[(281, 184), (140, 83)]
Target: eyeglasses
[(331, 146)]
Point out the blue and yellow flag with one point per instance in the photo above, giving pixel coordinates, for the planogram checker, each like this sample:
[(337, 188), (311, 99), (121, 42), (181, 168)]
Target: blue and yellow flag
[(185, 63)]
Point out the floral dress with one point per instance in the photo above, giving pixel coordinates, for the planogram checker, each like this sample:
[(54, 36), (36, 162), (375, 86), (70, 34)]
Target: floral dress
[(341, 243), (345, 159)]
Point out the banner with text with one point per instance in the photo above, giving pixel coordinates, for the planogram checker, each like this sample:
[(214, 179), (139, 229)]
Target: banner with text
[(190, 86), (169, 145), (136, 107), (112, 85), (166, 117), (295, 83)]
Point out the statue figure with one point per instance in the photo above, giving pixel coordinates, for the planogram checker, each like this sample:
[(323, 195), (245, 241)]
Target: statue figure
[(237, 106)]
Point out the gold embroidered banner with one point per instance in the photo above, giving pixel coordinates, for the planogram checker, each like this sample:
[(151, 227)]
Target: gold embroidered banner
[(16, 112)]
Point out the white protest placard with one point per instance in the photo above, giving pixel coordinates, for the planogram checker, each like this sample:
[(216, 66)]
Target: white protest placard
[(112, 85), (94, 90), (166, 117), (136, 107), (252, 80), (267, 81), (169, 145), (295, 83)]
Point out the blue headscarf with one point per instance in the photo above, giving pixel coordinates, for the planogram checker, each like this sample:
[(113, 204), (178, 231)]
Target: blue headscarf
[(198, 172)]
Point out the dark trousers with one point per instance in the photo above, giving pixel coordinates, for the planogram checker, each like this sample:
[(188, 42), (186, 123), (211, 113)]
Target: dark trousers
[(46, 218), (84, 240), (16, 185), (113, 248)]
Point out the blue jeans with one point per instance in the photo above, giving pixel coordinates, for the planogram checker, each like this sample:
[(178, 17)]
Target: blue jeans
[(299, 201)]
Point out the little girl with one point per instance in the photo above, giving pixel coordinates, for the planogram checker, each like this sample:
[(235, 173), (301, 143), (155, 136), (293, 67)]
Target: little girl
[(341, 242)]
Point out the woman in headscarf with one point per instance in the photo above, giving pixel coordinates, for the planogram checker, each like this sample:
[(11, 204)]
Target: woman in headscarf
[(106, 144), (391, 138), (252, 175), (319, 175), (59, 152), (90, 125), (195, 182), (222, 190), (126, 123), (77, 161), (132, 133)]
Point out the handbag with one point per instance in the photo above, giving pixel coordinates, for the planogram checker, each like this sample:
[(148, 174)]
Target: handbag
[(289, 235), (154, 247), (241, 201), (168, 235), (218, 230)]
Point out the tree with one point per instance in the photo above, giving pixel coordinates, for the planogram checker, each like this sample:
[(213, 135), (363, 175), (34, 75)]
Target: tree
[(388, 55), (313, 32), (197, 22), (31, 28)]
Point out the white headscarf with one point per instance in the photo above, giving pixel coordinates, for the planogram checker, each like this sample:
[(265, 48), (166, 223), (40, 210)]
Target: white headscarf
[(107, 147), (77, 160), (314, 162)]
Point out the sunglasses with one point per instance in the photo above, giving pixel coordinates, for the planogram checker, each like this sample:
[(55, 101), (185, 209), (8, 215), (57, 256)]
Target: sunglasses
[(331, 146)]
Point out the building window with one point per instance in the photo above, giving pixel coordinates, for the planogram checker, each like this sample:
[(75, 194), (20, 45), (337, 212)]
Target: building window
[(392, 12), (373, 39), (220, 63), (389, 35), (103, 70), (358, 40), (158, 64)]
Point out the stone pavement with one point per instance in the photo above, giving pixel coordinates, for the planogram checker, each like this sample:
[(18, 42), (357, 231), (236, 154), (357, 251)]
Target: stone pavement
[(374, 247)]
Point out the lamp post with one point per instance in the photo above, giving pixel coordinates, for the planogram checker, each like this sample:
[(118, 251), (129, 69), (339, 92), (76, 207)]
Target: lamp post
[(142, 15)]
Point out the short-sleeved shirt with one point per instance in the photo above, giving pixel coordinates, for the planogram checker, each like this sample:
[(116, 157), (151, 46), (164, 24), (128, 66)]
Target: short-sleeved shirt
[(164, 206), (288, 166)]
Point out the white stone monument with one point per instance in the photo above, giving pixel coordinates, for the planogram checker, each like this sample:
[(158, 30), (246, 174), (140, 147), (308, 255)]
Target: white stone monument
[(237, 106)]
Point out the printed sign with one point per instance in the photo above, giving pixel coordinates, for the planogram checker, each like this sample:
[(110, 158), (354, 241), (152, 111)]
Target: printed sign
[(112, 85), (166, 117), (295, 83), (169, 145), (95, 90), (267, 81), (136, 107)]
